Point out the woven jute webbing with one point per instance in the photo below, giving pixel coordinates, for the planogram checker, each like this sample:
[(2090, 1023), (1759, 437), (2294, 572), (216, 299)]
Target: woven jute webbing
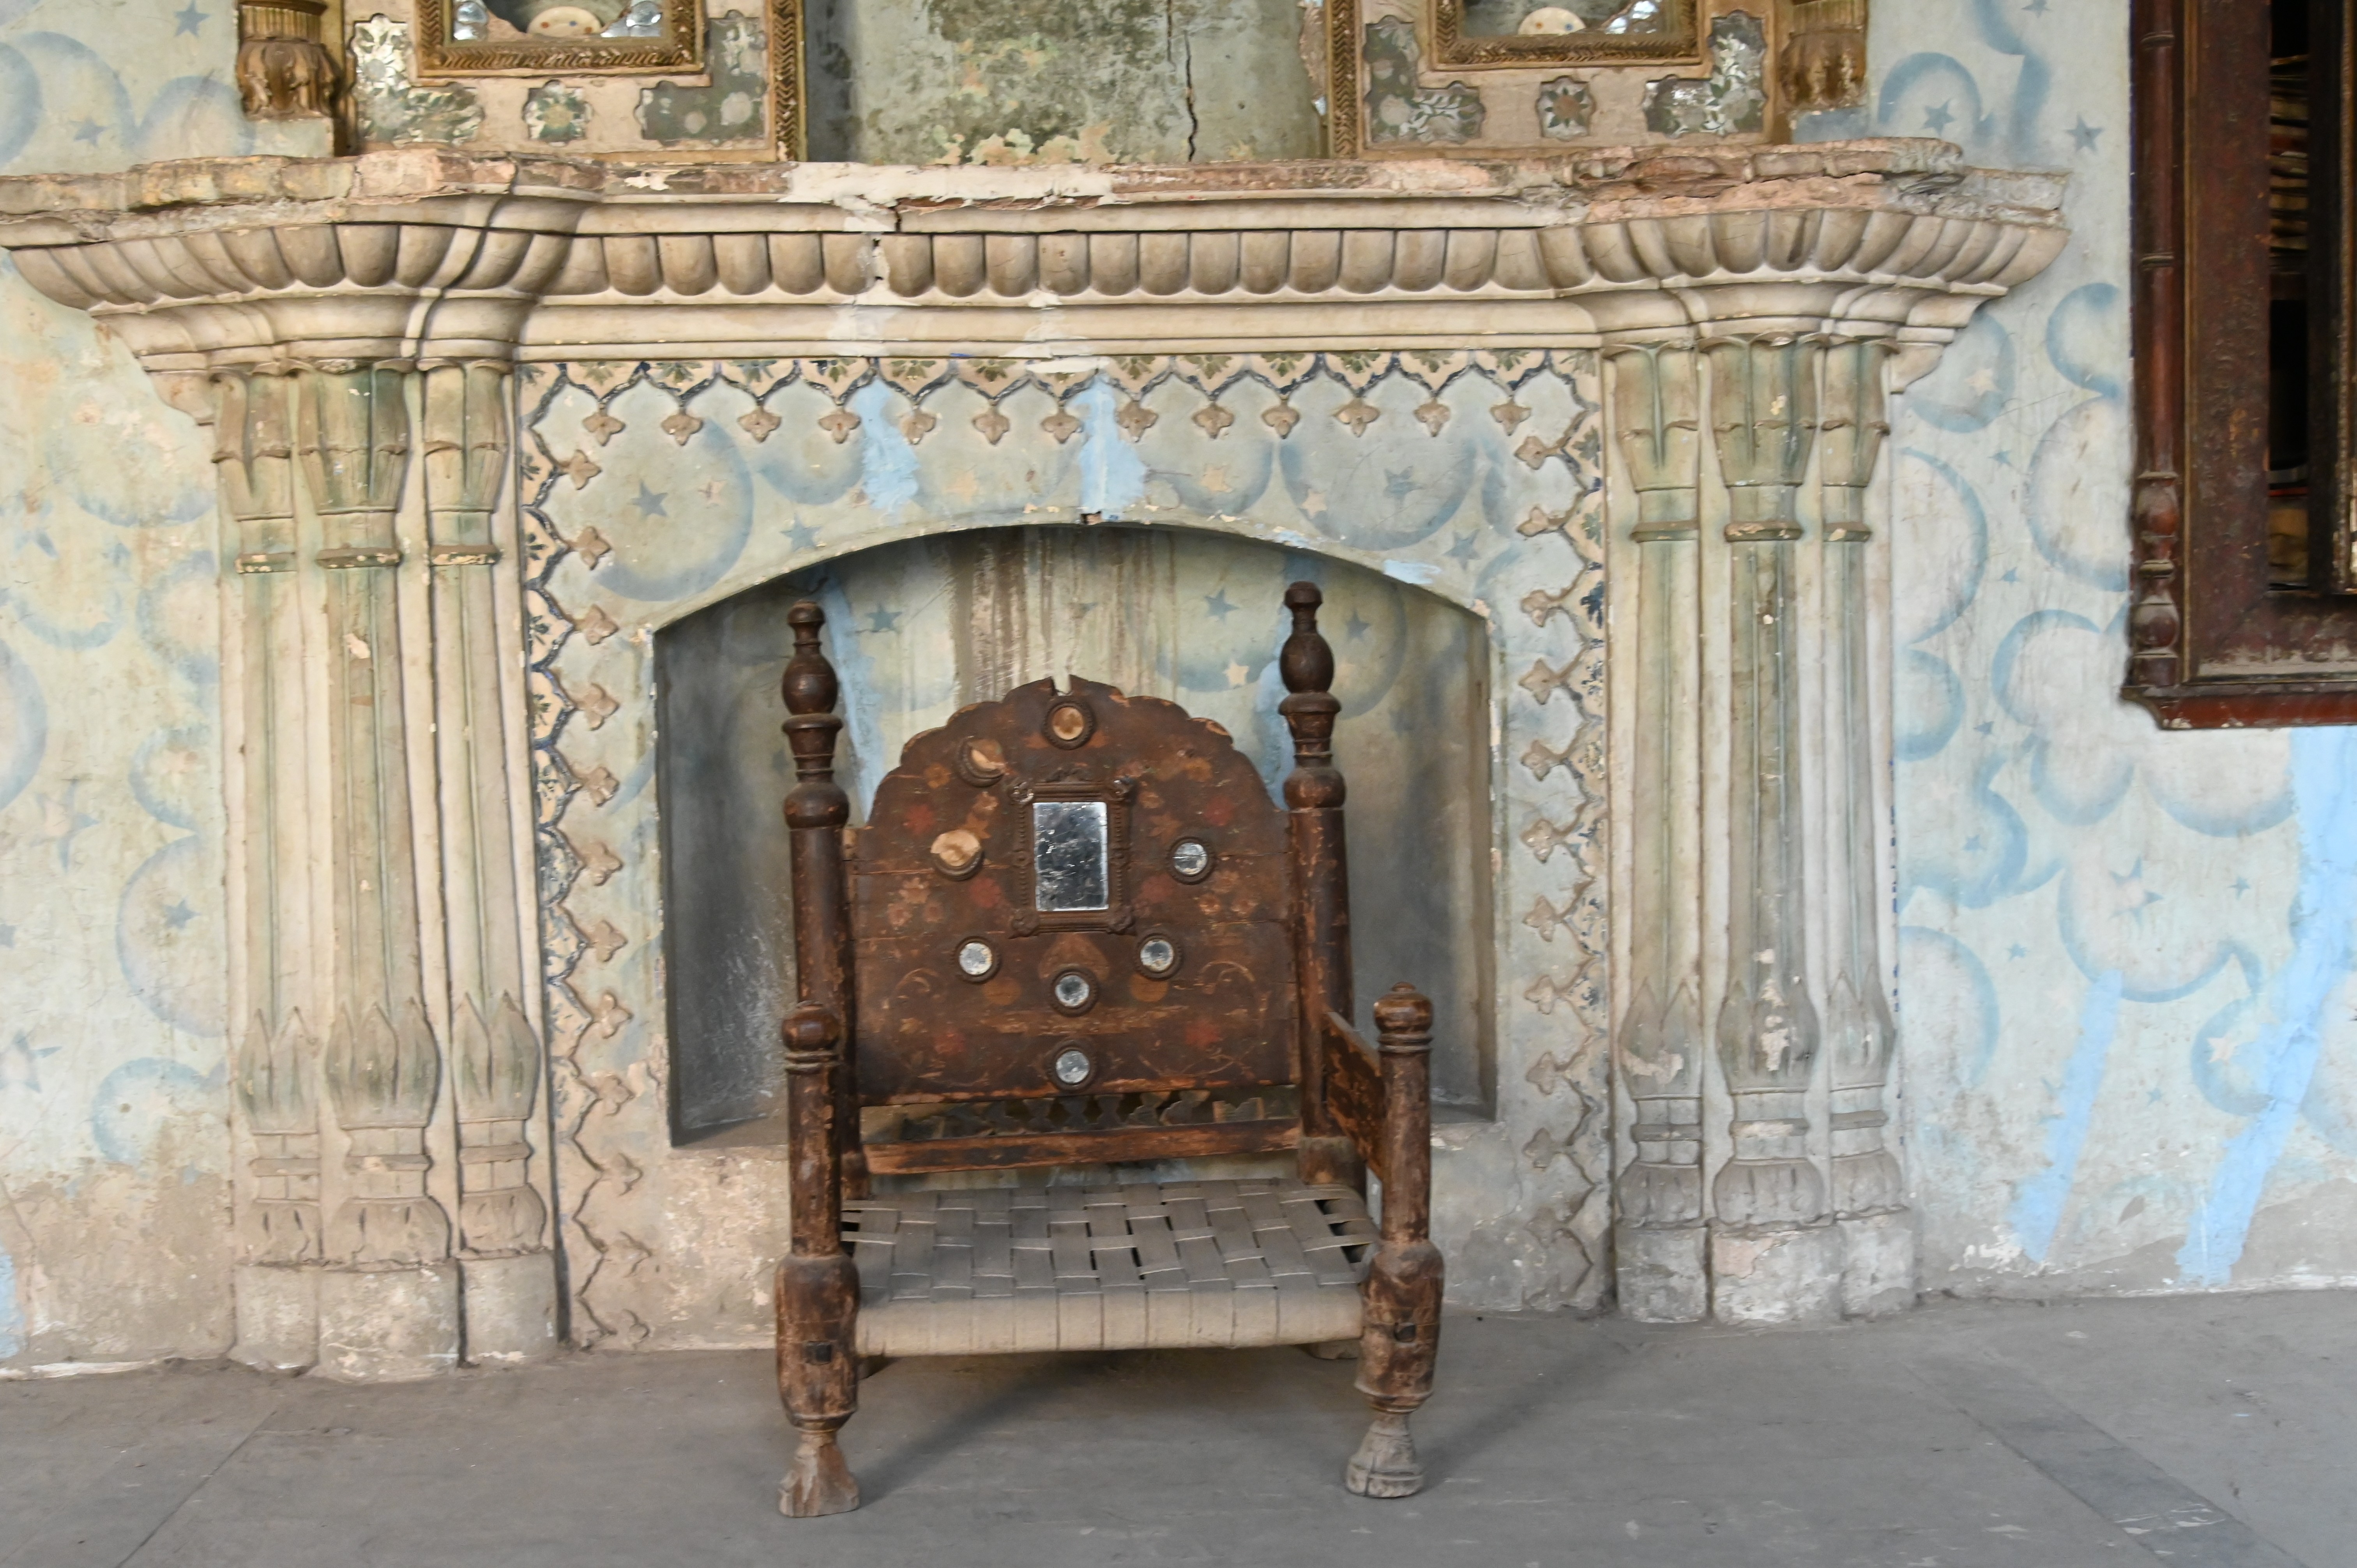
[(1200, 1264)]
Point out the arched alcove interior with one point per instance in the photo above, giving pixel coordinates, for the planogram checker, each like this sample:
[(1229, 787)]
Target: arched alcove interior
[(923, 628)]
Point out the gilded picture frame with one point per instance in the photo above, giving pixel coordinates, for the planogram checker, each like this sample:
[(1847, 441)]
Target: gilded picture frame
[(1678, 42), (679, 47)]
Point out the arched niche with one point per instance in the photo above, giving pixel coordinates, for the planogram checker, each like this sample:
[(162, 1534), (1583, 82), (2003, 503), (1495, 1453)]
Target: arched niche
[(923, 626)]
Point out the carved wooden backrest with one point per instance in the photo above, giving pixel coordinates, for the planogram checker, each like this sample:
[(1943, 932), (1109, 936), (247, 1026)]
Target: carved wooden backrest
[(1071, 894)]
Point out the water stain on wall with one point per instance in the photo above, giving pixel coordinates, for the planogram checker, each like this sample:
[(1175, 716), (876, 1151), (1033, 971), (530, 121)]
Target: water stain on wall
[(1019, 82)]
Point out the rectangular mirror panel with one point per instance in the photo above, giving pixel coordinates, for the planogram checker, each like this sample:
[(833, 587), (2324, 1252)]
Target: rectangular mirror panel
[(1069, 854)]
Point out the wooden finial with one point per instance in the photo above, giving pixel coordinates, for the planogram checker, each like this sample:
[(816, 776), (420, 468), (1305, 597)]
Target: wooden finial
[(1403, 1020), (810, 688), (1306, 663)]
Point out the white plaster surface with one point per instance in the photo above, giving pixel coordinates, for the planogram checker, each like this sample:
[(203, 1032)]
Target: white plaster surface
[(2125, 1007)]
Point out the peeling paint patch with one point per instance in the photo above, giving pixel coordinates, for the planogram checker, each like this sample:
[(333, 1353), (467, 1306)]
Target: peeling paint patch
[(394, 109), (732, 108), (1737, 1257), (1732, 99)]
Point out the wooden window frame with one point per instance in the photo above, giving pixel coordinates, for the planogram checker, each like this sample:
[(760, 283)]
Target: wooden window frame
[(2212, 644)]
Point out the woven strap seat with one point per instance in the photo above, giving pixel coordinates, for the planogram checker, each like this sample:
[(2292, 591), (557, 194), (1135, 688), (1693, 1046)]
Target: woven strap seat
[(1200, 1264)]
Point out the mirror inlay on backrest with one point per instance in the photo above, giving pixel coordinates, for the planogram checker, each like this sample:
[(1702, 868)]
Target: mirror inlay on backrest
[(1071, 852)]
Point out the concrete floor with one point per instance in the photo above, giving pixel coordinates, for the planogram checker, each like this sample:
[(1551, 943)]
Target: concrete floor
[(2202, 1432)]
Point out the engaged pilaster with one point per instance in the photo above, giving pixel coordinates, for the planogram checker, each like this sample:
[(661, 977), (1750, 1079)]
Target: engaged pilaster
[(1658, 1235), (1869, 1195), (1772, 1253), (504, 1248)]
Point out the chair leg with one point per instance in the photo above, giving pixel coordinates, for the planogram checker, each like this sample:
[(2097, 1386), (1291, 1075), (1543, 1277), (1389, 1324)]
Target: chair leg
[(818, 1482), (1397, 1344), (818, 1376), (1386, 1465)]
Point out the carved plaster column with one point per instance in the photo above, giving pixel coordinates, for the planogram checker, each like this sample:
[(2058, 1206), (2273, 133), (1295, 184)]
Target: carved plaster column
[(281, 1231), (1658, 1235), (1869, 1195), (389, 1302), (496, 1056), (1773, 1255)]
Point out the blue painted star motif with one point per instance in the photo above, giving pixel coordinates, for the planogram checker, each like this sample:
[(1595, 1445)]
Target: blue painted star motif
[(88, 131), (881, 620), (2083, 135), (1937, 118), (802, 536), (190, 18), (1216, 605), (649, 503)]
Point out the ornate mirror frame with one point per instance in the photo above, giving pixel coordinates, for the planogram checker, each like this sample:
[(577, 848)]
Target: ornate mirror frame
[(680, 48), (1452, 46)]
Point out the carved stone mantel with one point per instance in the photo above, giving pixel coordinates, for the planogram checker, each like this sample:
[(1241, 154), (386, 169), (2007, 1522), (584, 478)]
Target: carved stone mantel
[(349, 329)]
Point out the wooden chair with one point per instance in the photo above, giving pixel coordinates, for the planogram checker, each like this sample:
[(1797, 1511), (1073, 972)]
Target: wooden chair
[(1077, 930)]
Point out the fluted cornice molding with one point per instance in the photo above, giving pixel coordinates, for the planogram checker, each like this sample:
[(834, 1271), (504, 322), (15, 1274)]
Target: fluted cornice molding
[(424, 254)]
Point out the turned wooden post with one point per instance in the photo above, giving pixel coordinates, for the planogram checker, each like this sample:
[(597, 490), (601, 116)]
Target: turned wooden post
[(1314, 792), (816, 810), (1402, 1332), (818, 1287)]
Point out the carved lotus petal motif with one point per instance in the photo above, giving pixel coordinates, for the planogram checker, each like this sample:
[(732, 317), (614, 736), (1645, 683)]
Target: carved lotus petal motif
[(1061, 425), (604, 426), (993, 424), (1509, 414), (760, 424), (604, 938), (600, 782), (1212, 419), (840, 424), (680, 427), (596, 625), (1358, 414), (579, 470), (592, 547), (1281, 419), (918, 425), (1136, 419), (1542, 759), (610, 1017), (1432, 415), (599, 862)]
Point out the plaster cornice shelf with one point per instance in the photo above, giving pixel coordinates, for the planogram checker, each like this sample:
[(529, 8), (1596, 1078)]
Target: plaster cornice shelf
[(424, 253)]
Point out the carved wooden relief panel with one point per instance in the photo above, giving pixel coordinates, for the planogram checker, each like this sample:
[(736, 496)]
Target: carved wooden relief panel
[(1069, 891)]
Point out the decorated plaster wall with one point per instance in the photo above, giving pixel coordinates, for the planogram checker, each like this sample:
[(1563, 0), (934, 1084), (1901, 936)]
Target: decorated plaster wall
[(656, 490), (2128, 1020), (1024, 80), (115, 1234)]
